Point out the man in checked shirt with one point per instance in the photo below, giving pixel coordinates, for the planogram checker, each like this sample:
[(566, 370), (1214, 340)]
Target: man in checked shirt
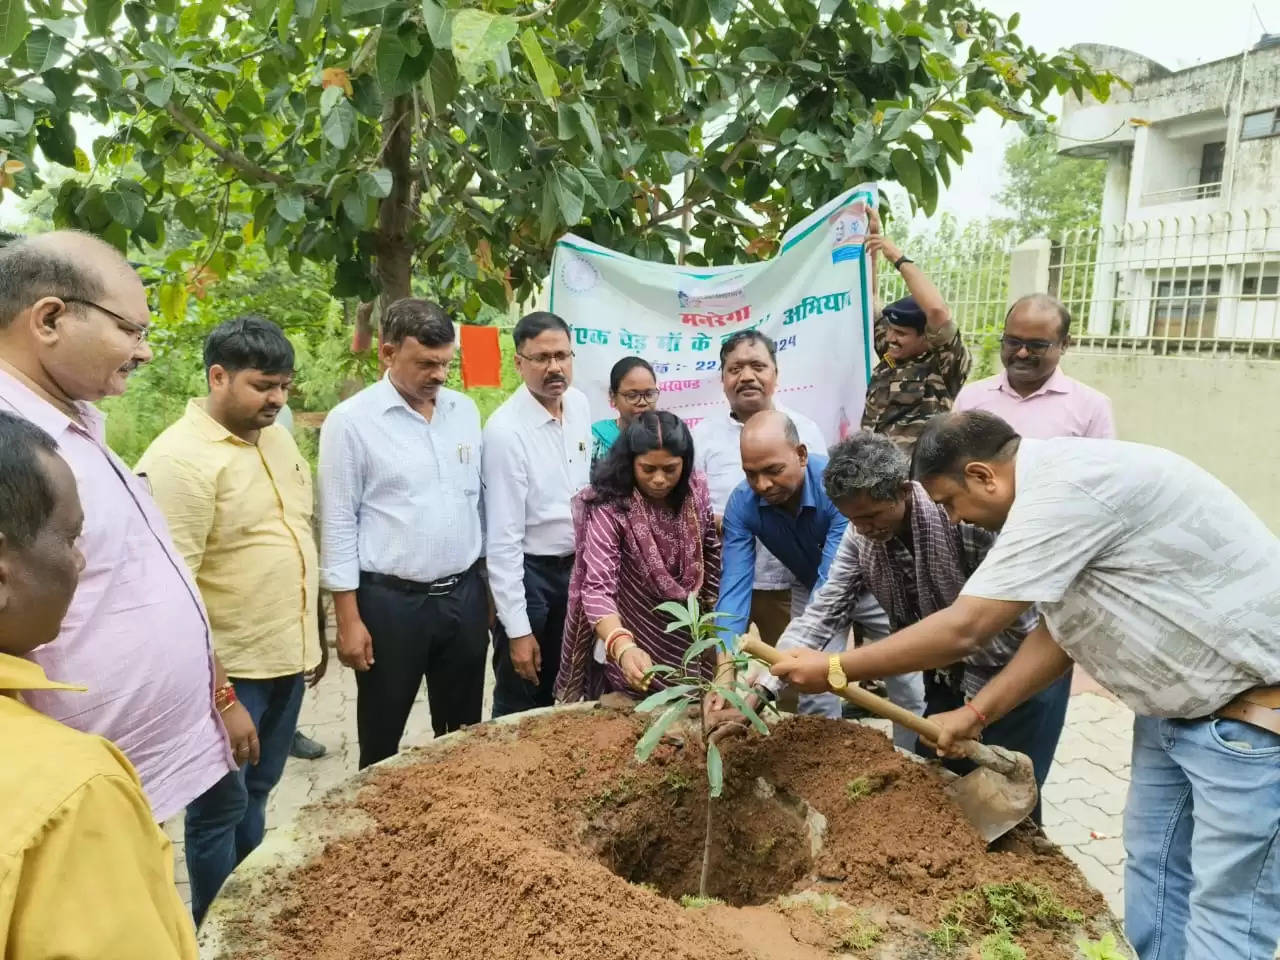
[(900, 546)]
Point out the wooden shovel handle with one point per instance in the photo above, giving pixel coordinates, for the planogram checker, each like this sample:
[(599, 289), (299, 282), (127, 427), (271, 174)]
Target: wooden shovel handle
[(980, 753)]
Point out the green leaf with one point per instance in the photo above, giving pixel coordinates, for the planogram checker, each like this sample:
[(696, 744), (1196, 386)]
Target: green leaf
[(722, 10), (569, 191), (284, 19), (587, 122), (44, 49), (291, 207), (376, 183), (440, 85), (636, 52), (14, 25), (356, 7), (479, 38), (313, 25), (356, 206), (663, 696), (340, 123), (100, 16), (160, 90), (757, 55), (186, 213), (330, 99), (653, 736), (697, 649), (439, 25), (770, 92), (546, 76), (678, 612), (505, 137), (568, 11), (667, 140), (715, 770), (126, 207), (813, 143), (907, 170)]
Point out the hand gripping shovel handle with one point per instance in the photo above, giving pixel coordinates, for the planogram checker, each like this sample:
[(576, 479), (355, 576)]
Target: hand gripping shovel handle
[(979, 753)]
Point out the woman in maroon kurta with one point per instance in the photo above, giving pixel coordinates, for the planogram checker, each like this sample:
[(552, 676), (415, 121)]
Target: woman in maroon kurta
[(646, 534)]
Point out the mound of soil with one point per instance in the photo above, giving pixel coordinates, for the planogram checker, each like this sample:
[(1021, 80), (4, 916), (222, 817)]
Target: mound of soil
[(548, 840)]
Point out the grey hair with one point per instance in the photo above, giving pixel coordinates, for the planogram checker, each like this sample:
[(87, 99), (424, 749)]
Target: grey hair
[(866, 463), (790, 431), (30, 270)]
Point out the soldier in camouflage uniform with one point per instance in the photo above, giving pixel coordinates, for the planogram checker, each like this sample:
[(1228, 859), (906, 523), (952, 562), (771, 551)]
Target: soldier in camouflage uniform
[(924, 361)]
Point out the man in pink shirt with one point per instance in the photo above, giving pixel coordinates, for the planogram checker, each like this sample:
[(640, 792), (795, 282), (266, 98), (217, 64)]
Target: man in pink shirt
[(73, 325), (1033, 395)]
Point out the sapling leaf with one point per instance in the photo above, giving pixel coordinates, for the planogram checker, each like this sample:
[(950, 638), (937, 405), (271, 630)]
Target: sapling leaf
[(653, 736), (659, 670), (676, 611), (715, 770), (692, 603), (666, 695), (697, 649), (744, 708)]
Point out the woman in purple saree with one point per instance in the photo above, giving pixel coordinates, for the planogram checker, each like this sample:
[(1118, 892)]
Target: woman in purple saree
[(645, 534)]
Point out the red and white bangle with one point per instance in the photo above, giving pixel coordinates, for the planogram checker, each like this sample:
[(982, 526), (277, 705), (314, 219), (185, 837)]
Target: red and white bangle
[(224, 698), (615, 636)]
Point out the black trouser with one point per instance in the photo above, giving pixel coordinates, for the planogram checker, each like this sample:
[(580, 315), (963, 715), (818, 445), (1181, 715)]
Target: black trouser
[(546, 592), (442, 635), (1033, 727)]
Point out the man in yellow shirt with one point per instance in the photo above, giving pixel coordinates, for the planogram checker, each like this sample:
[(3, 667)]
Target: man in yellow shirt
[(237, 495), (85, 873)]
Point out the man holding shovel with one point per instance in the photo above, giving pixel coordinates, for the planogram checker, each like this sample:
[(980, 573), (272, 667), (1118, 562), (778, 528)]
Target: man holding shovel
[(1166, 588)]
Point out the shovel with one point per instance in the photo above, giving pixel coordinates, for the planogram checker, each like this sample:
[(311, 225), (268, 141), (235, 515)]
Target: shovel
[(995, 798)]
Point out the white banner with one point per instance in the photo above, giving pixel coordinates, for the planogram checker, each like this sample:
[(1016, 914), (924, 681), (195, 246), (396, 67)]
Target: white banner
[(812, 299)]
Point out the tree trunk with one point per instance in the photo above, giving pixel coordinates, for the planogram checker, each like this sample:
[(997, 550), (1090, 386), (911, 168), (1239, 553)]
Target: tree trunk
[(395, 213)]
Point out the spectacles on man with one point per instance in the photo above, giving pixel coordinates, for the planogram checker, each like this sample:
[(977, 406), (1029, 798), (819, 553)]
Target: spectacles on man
[(638, 396), (1035, 348), (547, 359), (139, 331)]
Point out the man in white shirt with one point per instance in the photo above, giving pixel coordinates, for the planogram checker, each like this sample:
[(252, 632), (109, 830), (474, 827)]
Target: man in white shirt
[(402, 535), (537, 456), (1166, 588)]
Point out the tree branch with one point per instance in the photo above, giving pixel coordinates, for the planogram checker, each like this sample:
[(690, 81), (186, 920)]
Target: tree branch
[(237, 161)]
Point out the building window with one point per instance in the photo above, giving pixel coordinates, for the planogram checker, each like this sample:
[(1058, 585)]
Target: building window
[(1212, 157), (1265, 123), (1264, 286), (1186, 308)]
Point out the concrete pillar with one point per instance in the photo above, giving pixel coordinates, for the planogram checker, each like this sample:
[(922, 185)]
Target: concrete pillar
[(1029, 268)]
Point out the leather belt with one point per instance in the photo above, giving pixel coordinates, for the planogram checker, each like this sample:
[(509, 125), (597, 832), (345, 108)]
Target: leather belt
[(436, 588), (1259, 707)]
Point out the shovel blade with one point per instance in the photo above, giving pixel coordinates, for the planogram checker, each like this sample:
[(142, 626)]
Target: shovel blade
[(992, 802)]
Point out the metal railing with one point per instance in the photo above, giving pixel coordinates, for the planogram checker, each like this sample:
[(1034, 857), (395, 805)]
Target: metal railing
[(1194, 191)]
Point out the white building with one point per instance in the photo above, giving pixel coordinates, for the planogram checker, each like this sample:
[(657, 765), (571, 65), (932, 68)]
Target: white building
[(1190, 245)]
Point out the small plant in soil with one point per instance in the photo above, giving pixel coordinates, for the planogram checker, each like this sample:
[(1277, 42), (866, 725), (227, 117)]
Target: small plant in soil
[(690, 902), (862, 934), (686, 687), (1000, 946), (1000, 910), (1104, 949), (948, 936), (861, 787)]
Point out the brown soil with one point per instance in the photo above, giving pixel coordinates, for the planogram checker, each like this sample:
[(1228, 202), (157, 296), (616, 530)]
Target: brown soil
[(549, 841)]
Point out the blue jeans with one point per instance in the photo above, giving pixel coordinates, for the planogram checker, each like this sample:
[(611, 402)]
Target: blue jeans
[(1033, 727), (1202, 839), (226, 823)]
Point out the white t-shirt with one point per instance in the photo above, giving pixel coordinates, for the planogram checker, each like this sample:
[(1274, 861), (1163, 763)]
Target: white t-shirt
[(1150, 572), (717, 453)]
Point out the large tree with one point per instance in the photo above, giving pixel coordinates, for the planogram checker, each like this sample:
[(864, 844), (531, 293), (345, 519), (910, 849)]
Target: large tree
[(1050, 194), (459, 139)]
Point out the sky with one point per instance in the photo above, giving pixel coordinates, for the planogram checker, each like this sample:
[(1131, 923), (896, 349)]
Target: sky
[(1175, 33)]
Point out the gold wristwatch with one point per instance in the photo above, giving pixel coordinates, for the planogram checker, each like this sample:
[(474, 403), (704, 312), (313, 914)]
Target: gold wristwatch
[(836, 679)]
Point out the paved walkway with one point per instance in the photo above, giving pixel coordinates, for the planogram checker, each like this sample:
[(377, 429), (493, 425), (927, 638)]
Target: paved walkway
[(1083, 799)]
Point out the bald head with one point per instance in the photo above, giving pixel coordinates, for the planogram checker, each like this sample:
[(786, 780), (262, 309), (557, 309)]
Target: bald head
[(63, 263), (773, 458)]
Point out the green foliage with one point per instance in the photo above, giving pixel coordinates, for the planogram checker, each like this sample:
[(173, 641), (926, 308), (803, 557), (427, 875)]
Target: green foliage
[(1000, 946), (948, 936), (861, 787), (862, 934), (380, 139), (691, 902), (999, 911), (1049, 194), (1105, 949)]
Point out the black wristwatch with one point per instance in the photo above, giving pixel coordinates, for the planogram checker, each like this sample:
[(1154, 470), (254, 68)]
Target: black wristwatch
[(897, 264)]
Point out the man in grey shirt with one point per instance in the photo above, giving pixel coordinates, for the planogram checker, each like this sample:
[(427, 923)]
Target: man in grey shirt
[(1161, 582)]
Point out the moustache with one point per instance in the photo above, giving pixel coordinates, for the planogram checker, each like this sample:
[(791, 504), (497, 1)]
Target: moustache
[(551, 380)]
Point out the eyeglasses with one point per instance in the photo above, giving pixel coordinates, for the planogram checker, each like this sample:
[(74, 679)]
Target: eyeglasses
[(637, 396), (1034, 347), (547, 359), (139, 331)]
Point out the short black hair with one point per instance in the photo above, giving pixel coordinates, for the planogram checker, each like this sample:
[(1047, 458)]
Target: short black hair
[(537, 323), (951, 441), (1049, 303), (424, 320), (30, 271), (249, 342), (866, 463), (734, 341), (614, 476), (26, 493), (625, 366)]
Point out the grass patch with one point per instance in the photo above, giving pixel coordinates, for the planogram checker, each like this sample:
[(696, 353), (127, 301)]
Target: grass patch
[(949, 936), (863, 787), (691, 902), (621, 792), (861, 935), (821, 903), (677, 781), (1000, 946)]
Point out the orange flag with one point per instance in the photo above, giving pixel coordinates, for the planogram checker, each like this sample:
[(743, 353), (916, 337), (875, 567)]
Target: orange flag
[(481, 357)]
